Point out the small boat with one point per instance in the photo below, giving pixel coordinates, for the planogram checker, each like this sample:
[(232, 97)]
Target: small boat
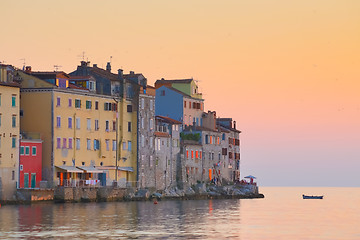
[(312, 197)]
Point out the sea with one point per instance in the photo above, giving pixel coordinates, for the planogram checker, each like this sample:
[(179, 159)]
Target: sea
[(282, 214)]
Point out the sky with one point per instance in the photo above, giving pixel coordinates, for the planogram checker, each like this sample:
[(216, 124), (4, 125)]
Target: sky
[(287, 71)]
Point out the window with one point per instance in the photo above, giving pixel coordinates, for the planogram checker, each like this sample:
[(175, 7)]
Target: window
[(58, 101), (88, 144), (13, 101), (129, 145), (70, 143), (78, 144), (27, 150), (107, 106), (151, 123), (13, 120), (0, 119), (58, 142), (96, 144), (192, 154), (114, 125), (142, 122), (223, 136), (114, 145), (69, 122), (124, 145), (151, 105), (70, 102), (196, 154), (88, 104), (77, 123), (184, 104), (0, 99), (189, 104), (22, 150), (162, 93), (77, 103), (13, 175), (33, 151), (96, 105), (64, 143), (107, 125), (187, 153), (129, 108), (107, 143), (142, 141), (194, 105), (200, 154), (142, 103), (206, 139), (96, 125), (58, 121), (13, 142), (129, 126), (88, 125), (151, 142)]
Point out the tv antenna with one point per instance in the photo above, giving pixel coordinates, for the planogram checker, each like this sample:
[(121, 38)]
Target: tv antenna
[(23, 59), (57, 67)]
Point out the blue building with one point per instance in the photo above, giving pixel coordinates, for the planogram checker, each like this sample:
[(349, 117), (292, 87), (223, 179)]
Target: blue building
[(173, 103)]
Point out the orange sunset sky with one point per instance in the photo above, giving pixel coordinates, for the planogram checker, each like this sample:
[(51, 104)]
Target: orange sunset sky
[(287, 71)]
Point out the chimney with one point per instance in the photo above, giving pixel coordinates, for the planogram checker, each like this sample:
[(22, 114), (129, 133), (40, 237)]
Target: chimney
[(132, 73), (28, 69), (83, 64), (95, 65), (108, 67), (120, 73), (234, 124)]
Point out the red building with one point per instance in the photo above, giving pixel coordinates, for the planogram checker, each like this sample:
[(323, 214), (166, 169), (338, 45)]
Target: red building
[(30, 163)]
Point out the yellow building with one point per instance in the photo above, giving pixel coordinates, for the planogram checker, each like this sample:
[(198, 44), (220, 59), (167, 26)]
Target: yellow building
[(79, 133), (9, 135)]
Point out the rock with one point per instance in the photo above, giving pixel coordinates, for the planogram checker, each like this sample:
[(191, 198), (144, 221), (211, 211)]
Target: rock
[(211, 193), (189, 191), (200, 188), (156, 195)]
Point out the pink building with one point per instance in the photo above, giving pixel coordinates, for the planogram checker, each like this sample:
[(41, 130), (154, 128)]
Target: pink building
[(30, 163)]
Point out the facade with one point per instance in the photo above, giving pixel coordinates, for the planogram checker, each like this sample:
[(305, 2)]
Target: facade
[(167, 150), (146, 129), (9, 133), (30, 169), (177, 105), (191, 169)]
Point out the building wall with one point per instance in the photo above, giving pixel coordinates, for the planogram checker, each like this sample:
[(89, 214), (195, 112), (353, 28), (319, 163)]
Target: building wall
[(9, 141), (193, 169), (146, 149), (191, 113), (30, 162), (41, 112), (170, 105)]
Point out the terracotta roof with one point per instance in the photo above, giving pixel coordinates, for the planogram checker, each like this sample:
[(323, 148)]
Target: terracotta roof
[(161, 134), (80, 77), (73, 86), (105, 73), (168, 120)]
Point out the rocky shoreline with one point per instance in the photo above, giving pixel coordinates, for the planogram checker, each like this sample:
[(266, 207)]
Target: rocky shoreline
[(196, 192)]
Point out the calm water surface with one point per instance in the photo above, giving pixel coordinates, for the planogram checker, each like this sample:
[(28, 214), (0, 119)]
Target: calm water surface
[(283, 214)]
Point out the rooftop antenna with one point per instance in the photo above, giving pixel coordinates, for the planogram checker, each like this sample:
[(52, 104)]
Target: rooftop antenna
[(82, 56), (110, 59), (57, 67), (23, 59)]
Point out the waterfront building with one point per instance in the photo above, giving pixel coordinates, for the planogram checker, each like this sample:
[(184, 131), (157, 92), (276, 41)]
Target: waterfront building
[(125, 89), (191, 168), (178, 105), (228, 126), (167, 150), (9, 132), (30, 165), (146, 130), (78, 130)]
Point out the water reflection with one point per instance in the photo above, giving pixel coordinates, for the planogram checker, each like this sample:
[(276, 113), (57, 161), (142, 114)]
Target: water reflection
[(168, 219)]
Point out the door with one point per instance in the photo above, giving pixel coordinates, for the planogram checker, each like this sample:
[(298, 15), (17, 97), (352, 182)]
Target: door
[(26, 180), (33, 180)]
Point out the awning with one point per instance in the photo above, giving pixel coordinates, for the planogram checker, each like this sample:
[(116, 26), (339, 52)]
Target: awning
[(126, 169), (90, 169), (70, 169)]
